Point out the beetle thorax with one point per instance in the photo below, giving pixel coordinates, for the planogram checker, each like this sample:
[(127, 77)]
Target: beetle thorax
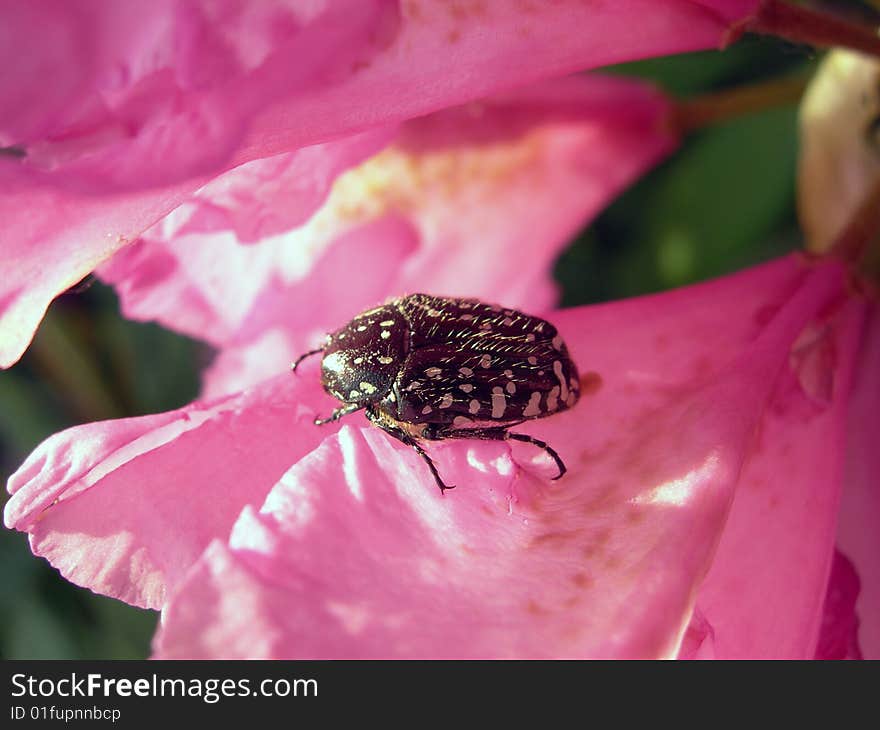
[(362, 360)]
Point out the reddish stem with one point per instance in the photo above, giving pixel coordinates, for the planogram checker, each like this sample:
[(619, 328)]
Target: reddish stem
[(720, 106), (804, 25)]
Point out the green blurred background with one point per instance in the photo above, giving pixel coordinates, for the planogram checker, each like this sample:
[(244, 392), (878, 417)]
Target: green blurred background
[(723, 202)]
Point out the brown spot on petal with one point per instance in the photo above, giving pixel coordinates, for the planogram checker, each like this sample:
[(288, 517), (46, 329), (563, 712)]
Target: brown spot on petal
[(590, 383), (612, 562), (535, 609), (634, 516), (555, 538), (604, 497), (581, 580)]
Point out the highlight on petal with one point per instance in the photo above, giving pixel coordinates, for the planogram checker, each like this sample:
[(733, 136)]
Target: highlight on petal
[(124, 507), (449, 200), (146, 102), (354, 554)]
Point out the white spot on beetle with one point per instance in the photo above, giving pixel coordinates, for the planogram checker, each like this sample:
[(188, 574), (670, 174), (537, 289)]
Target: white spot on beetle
[(485, 361), (466, 317), (426, 410), (557, 369), (385, 334), (354, 395), (334, 362), (532, 360), (530, 337), (486, 326), (511, 387), (362, 328), (433, 373), (557, 342), (499, 402), (539, 327), (507, 322), (460, 421), (534, 405), (414, 385), (466, 387), (474, 406), (467, 372), (553, 398), (368, 388), (384, 360), (358, 360), (387, 323), (434, 312), (446, 401)]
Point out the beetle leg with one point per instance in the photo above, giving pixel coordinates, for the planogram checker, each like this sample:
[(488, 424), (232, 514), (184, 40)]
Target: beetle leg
[(302, 357), (405, 438), (502, 434), (541, 445), (338, 413)]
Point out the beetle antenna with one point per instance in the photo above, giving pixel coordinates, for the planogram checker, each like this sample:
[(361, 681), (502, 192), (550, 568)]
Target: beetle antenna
[(302, 357)]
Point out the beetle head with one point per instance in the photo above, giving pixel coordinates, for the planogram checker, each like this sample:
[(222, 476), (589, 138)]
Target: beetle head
[(362, 360)]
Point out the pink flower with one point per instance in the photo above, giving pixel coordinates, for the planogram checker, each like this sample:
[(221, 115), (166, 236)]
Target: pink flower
[(706, 458), (114, 115), (690, 411)]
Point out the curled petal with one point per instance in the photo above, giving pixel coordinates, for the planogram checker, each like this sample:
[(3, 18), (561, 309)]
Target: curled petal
[(125, 507)]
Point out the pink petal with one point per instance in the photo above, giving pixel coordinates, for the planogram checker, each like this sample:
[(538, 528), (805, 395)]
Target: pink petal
[(858, 535), (165, 95), (206, 284), (46, 254), (129, 107), (125, 507), (355, 554), (764, 594), (134, 95), (53, 239), (520, 173), (449, 53)]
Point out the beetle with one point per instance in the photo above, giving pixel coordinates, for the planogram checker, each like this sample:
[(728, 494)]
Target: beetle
[(428, 368)]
